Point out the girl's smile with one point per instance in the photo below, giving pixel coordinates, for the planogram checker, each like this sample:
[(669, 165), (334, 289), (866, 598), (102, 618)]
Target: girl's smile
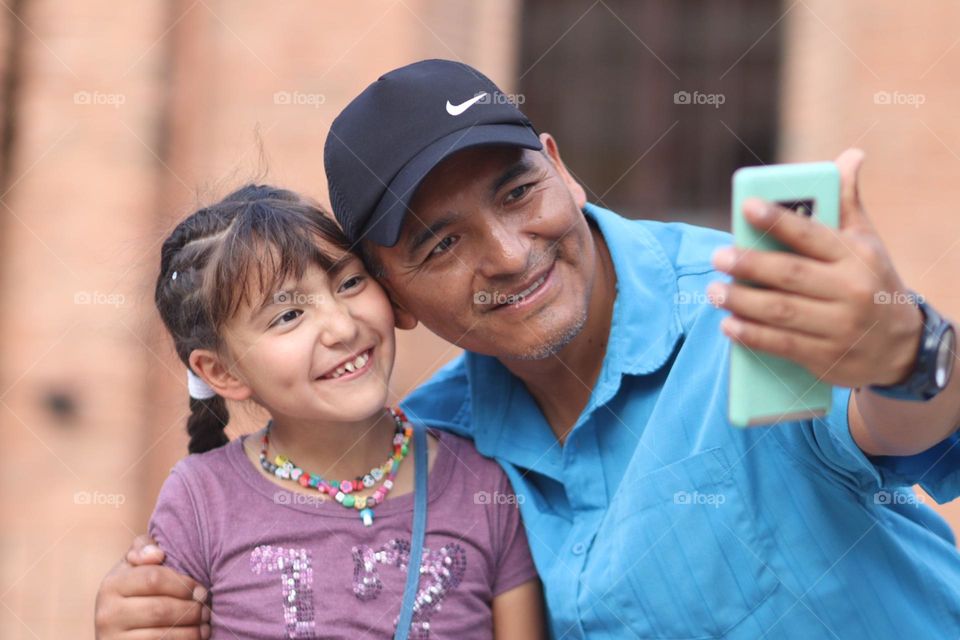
[(351, 368)]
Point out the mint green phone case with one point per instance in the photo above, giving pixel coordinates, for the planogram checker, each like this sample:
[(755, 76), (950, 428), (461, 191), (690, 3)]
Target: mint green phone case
[(766, 389)]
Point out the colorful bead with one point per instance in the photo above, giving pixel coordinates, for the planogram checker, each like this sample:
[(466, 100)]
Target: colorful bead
[(366, 515), (284, 468)]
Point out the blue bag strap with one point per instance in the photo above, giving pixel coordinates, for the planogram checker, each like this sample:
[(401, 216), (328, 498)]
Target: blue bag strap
[(419, 531)]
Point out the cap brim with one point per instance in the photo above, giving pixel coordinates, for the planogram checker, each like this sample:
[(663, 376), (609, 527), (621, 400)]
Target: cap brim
[(384, 225)]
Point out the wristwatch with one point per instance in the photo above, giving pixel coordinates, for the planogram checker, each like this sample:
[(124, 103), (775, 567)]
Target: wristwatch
[(934, 362)]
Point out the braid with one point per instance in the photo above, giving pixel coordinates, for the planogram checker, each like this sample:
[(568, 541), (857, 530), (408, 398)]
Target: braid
[(208, 418), (180, 302)]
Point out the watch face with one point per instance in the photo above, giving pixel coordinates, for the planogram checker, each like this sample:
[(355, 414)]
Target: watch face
[(945, 356)]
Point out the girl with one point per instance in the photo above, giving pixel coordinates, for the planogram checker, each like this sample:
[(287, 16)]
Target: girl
[(303, 530)]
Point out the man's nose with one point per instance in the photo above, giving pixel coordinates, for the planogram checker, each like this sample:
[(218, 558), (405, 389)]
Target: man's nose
[(505, 253)]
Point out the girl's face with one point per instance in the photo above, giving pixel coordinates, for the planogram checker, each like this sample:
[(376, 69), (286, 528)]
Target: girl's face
[(321, 349)]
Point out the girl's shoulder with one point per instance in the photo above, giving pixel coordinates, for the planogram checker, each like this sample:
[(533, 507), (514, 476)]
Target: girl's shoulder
[(216, 463)]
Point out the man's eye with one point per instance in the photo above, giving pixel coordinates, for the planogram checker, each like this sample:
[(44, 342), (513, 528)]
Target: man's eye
[(518, 192), (287, 317), (443, 245)]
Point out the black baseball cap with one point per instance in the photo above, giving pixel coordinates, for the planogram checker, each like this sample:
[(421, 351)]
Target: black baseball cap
[(386, 141)]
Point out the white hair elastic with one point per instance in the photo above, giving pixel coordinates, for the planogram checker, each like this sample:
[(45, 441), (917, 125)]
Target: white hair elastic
[(198, 388)]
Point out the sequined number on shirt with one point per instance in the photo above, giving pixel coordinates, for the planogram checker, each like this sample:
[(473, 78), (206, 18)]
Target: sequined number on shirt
[(440, 571), (296, 575)]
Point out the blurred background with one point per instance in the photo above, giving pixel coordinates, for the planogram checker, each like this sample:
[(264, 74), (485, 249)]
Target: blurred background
[(117, 119)]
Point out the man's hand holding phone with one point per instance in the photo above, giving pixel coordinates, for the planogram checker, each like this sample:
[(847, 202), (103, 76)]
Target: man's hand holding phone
[(817, 304)]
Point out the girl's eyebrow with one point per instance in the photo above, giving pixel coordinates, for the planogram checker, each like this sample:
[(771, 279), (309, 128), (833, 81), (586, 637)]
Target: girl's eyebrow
[(337, 267), (335, 270)]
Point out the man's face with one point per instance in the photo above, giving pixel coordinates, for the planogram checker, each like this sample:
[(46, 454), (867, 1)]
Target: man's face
[(496, 256)]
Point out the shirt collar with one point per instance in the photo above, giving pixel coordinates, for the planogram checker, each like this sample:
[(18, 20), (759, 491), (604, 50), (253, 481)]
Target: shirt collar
[(645, 324)]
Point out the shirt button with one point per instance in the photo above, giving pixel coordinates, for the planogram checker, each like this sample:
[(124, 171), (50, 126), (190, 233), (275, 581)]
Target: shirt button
[(579, 548)]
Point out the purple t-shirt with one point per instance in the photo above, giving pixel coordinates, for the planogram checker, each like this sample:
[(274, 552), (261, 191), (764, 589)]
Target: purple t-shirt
[(280, 564)]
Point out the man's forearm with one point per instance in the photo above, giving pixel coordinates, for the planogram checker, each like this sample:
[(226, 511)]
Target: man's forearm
[(883, 426)]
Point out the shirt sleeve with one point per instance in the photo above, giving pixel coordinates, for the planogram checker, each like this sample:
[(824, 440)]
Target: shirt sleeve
[(177, 528), (829, 440), (514, 562)]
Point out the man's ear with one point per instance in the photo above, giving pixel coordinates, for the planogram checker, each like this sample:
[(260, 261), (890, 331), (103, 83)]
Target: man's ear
[(553, 152), (209, 366), (402, 318)]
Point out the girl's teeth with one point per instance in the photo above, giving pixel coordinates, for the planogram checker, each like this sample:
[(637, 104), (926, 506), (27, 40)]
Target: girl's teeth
[(350, 367)]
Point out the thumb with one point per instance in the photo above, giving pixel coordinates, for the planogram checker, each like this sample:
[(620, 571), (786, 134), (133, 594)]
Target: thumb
[(144, 550), (852, 213)]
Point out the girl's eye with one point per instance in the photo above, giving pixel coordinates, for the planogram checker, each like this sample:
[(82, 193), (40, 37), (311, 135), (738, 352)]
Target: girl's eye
[(351, 283), (518, 192), (443, 246), (287, 317)]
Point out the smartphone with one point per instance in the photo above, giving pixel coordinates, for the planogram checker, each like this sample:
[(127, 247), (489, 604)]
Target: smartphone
[(766, 389)]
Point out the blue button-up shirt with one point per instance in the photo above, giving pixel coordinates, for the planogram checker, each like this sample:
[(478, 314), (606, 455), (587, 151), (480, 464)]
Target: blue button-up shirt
[(658, 519)]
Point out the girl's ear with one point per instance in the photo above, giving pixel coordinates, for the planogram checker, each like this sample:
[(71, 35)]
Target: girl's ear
[(209, 366)]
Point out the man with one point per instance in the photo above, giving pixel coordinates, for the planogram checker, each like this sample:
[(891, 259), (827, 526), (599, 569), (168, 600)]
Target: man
[(595, 374)]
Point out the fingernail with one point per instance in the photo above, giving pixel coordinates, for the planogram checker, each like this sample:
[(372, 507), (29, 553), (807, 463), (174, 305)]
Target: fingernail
[(204, 631), (205, 614), (757, 209), (724, 258), (150, 549), (716, 293), (731, 326), (199, 594)]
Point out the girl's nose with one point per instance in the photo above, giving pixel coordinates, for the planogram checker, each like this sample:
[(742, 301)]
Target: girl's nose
[(338, 326)]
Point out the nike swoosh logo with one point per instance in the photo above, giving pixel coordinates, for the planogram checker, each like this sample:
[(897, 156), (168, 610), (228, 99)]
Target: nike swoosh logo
[(457, 109)]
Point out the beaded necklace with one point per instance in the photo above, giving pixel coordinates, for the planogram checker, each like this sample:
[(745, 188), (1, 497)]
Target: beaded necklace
[(285, 469)]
